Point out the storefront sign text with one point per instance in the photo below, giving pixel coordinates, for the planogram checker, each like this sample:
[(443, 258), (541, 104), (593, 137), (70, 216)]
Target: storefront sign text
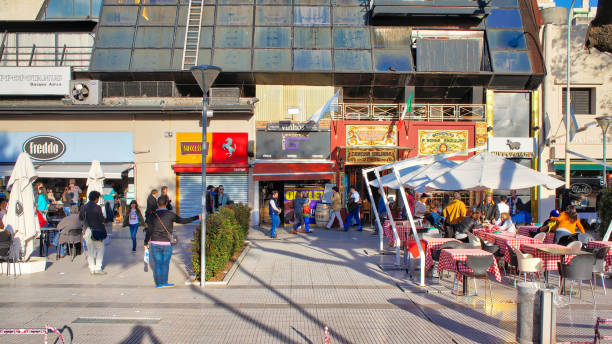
[(292, 145), (371, 135), (35, 81), (44, 147), (315, 196), (292, 126), (513, 147), (442, 141), (226, 148), (370, 156)]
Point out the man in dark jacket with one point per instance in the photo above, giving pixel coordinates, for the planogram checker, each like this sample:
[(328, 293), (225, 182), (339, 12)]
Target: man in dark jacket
[(468, 224), (488, 209), (95, 233), (158, 234), (164, 193), (151, 203)]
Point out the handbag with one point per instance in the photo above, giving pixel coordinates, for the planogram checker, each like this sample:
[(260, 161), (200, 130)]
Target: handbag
[(172, 236)]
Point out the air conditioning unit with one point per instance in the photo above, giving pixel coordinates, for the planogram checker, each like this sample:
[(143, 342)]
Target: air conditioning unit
[(86, 92)]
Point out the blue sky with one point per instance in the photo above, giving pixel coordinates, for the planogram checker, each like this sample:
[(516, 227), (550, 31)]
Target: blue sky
[(566, 3)]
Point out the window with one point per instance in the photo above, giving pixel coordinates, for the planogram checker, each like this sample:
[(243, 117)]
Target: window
[(386, 60), (502, 39), (273, 15), (504, 19), (234, 15), (119, 15), (154, 37), (272, 37), (115, 37), (272, 59), (157, 15), (511, 62), (312, 60), (349, 15), (353, 60), (311, 16), (391, 37), (582, 99), (312, 37), (233, 37), (111, 59), (233, 60), (352, 38), (151, 59)]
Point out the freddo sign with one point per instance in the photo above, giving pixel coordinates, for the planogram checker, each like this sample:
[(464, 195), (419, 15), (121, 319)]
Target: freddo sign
[(44, 147)]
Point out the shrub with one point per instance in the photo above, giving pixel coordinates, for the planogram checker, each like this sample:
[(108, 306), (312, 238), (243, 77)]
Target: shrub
[(225, 234), (605, 210)]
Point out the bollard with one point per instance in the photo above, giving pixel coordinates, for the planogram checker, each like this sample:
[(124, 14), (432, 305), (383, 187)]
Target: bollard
[(536, 313), (525, 322), (548, 315)]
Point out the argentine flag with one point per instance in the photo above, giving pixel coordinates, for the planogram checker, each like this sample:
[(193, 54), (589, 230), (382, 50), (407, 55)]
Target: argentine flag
[(331, 105)]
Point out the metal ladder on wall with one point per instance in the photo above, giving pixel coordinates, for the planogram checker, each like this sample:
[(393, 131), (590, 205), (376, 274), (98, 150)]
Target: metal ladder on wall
[(192, 33)]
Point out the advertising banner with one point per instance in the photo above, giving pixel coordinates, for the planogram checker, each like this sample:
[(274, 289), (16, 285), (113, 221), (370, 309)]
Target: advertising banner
[(292, 145), (35, 81), (371, 135), (222, 148), (513, 147), (370, 156), (442, 141), (315, 196)]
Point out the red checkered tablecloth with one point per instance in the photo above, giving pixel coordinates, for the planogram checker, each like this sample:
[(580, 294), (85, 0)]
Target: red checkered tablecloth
[(404, 231), (528, 230), (549, 261), (434, 244), (599, 244), (450, 257)]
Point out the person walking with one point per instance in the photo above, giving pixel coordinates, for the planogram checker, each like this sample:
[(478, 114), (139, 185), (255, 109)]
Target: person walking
[(158, 240), (298, 212), (164, 193), (109, 202), (353, 209), (274, 210), (222, 198), (454, 213), (336, 205), (488, 209), (306, 212), (133, 220), (95, 233), (151, 204)]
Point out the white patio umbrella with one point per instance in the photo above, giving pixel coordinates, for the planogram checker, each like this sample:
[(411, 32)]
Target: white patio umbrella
[(409, 168), (429, 173), (95, 180), (21, 218), (489, 171)]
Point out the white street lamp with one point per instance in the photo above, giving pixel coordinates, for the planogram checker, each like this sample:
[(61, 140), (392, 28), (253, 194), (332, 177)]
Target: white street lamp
[(205, 75), (604, 123)]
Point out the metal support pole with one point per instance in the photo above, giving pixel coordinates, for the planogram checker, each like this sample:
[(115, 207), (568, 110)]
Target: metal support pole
[(391, 221), (605, 143), (203, 221), (413, 227), (567, 99), (375, 211)]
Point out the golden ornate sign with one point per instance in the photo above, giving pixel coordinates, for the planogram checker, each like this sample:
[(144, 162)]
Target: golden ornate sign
[(371, 135), (442, 141), (480, 135), (370, 156)]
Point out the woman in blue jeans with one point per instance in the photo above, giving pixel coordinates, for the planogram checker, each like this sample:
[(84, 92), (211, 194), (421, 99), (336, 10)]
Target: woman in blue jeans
[(133, 219), (158, 234)]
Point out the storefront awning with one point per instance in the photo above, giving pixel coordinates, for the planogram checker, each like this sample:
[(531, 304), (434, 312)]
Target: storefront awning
[(211, 168), (579, 166), (296, 169), (111, 171)]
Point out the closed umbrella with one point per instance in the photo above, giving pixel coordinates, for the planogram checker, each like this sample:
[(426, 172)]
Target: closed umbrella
[(95, 180), (21, 216), (489, 171)]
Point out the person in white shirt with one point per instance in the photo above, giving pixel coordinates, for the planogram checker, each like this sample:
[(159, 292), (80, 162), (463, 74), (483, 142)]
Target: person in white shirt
[(133, 219), (505, 223), (353, 209), (502, 206), (420, 208)]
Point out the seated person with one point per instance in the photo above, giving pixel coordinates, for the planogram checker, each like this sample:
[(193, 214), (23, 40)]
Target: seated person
[(5, 240), (64, 226), (433, 216), (550, 225), (468, 224), (505, 223)]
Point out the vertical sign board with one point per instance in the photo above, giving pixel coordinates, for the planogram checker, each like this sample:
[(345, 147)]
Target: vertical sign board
[(35, 81)]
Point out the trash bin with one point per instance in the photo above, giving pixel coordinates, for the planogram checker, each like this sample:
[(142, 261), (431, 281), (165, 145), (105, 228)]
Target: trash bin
[(536, 314)]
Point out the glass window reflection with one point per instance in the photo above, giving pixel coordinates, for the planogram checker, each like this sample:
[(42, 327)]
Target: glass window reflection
[(119, 15), (272, 60), (233, 37), (353, 60), (349, 16), (311, 37), (504, 19), (154, 37), (272, 37), (273, 15), (234, 15), (501, 39), (512, 62), (399, 60), (311, 16), (352, 38), (391, 37), (111, 59), (157, 15), (151, 59), (235, 60), (115, 37), (312, 60)]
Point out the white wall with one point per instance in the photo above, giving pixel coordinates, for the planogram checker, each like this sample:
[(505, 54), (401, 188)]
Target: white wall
[(19, 9)]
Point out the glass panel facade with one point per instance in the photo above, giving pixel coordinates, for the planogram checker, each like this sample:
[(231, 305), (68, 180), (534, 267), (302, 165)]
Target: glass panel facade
[(386, 60), (233, 37), (64, 9), (151, 59), (206, 38), (311, 16), (353, 60), (504, 19), (204, 56), (274, 2), (504, 3), (234, 60), (311, 2), (115, 37), (231, 2), (234, 15), (391, 37), (119, 15), (355, 16), (208, 16), (311, 38), (512, 62), (157, 15), (272, 59), (352, 38), (312, 60), (501, 39), (273, 15), (111, 59), (272, 37), (154, 37)]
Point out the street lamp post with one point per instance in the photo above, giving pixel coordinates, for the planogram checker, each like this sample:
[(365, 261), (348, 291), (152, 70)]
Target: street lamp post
[(205, 75), (604, 123)]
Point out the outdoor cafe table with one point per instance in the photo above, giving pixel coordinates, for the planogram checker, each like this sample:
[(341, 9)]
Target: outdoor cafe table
[(529, 230), (600, 244), (507, 240), (404, 231), (551, 255), (450, 257), (434, 244)]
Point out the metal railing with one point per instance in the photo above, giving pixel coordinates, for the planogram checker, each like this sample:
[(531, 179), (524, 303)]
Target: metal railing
[(77, 57), (420, 112)]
